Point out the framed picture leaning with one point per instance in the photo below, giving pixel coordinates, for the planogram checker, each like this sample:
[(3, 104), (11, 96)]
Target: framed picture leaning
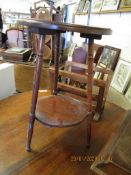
[(109, 57), (125, 4), (121, 76), (81, 6), (86, 6), (110, 5), (97, 5), (128, 92)]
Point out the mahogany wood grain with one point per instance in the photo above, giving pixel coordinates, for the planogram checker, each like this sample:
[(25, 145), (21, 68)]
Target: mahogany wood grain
[(78, 77), (79, 98), (99, 49), (100, 99), (37, 74), (103, 86), (60, 111), (55, 150), (60, 104), (75, 90), (56, 60), (53, 26), (90, 73), (35, 91)]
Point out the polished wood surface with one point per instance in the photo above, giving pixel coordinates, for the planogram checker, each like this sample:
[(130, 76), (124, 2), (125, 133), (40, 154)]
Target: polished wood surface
[(56, 61), (117, 148), (82, 78), (36, 84), (63, 27), (100, 87), (60, 111), (44, 28), (55, 151)]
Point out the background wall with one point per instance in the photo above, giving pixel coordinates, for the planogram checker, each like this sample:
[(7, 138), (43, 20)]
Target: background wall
[(120, 23), (59, 3), (15, 5)]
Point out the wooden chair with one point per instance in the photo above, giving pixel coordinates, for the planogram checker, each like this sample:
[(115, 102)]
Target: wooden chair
[(15, 37), (106, 58), (58, 110), (100, 86), (79, 55)]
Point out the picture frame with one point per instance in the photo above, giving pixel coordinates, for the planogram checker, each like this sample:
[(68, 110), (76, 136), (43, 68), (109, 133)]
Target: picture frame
[(86, 6), (128, 92), (110, 5), (81, 6), (97, 5), (109, 57), (121, 76), (125, 4)]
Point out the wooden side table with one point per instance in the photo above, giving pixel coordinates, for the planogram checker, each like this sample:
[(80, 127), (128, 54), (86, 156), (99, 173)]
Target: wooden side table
[(55, 112)]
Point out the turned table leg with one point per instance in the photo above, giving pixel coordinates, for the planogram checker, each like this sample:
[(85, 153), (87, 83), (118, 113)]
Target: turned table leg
[(89, 88), (38, 67), (56, 61)]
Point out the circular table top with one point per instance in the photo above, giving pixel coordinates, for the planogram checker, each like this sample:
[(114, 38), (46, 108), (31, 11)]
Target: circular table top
[(63, 27)]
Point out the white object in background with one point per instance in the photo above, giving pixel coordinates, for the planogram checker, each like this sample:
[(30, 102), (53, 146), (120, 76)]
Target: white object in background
[(7, 80)]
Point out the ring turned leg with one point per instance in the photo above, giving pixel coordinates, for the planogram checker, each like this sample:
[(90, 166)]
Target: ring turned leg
[(35, 91), (30, 132), (89, 87), (89, 122)]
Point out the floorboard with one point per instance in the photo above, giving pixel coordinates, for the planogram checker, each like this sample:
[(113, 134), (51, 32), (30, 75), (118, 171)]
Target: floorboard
[(56, 151)]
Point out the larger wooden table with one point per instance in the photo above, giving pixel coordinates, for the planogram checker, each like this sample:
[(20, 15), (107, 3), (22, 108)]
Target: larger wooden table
[(44, 28), (53, 148)]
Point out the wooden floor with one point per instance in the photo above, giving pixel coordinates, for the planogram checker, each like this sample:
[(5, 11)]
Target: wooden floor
[(55, 151)]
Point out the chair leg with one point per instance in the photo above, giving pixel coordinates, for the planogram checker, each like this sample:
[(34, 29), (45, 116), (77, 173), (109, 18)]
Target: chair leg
[(89, 120), (30, 132)]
